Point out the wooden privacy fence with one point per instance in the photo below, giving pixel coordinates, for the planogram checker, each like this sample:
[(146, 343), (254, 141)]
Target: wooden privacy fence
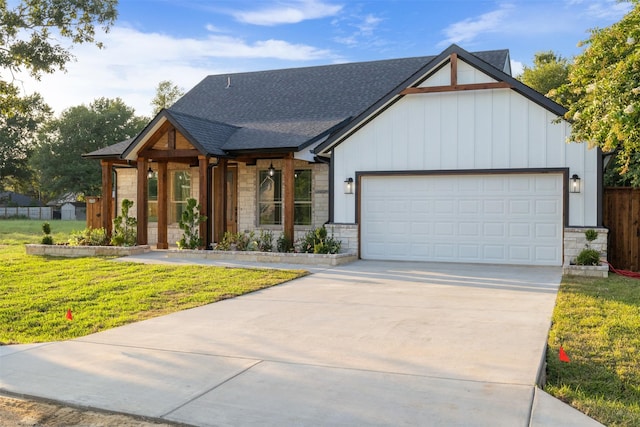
[(622, 218)]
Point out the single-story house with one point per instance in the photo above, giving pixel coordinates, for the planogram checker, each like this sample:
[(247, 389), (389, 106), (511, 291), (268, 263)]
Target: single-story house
[(435, 158), (10, 199)]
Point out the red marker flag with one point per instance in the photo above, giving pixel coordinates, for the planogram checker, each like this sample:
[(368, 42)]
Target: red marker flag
[(69, 315), (563, 355)]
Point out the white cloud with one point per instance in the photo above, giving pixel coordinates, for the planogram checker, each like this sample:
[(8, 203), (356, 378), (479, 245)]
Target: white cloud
[(369, 24), (467, 30), (517, 68), (608, 9), (133, 63), (365, 30), (289, 13)]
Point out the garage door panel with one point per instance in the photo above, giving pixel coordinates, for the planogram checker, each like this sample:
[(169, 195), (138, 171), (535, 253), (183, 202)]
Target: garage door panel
[(500, 218), (493, 207), (468, 207)]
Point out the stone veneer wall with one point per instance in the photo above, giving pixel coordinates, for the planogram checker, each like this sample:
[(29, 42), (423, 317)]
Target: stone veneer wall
[(127, 189), (575, 241), (347, 234), (248, 196)]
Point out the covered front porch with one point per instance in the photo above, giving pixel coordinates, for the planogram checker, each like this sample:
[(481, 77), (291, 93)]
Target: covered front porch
[(244, 192)]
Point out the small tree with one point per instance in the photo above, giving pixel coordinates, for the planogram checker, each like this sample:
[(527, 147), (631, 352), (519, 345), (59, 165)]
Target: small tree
[(47, 239), (190, 225), (589, 256), (125, 228)]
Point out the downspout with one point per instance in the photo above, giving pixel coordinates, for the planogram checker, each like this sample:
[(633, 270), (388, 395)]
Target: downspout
[(328, 161), (600, 190)]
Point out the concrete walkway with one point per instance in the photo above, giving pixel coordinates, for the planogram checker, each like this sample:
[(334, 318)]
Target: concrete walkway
[(369, 343)]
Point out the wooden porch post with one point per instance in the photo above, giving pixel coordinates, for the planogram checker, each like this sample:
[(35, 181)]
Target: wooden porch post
[(289, 200), (143, 191), (107, 196), (220, 200), (163, 242), (203, 197)]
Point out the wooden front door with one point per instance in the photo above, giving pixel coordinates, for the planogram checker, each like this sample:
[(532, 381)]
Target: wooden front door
[(232, 199)]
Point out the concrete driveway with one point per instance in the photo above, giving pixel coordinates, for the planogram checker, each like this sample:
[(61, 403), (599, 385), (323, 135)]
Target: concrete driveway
[(370, 343)]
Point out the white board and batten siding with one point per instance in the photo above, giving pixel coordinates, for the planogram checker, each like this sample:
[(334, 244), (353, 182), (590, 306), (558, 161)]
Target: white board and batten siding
[(484, 130)]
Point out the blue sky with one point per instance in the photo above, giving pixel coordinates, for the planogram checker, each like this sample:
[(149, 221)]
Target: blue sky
[(185, 40)]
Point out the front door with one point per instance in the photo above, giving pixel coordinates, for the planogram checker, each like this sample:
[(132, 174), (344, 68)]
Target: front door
[(232, 199)]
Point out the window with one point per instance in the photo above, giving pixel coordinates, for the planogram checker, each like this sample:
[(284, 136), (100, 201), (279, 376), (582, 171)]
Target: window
[(270, 198), (180, 192), (152, 185), (302, 196)]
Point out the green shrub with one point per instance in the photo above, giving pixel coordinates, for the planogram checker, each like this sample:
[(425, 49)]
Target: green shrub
[(46, 228), (125, 228), (190, 225), (317, 242), (47, 239), (265, 241), (588, 257), (591, 235), (89, 237), (241, 241), (227, 240), (284, 244)]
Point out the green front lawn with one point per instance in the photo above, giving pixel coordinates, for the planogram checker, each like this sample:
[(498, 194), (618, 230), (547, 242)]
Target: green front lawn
[(597, 321), (36, 292)]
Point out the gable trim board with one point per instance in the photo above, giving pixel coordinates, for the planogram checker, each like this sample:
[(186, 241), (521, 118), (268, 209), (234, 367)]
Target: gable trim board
[(411, 87), (478, 216)]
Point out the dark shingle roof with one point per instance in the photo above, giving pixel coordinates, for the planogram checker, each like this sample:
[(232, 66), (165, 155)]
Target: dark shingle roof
[(211, 135), (286, 109), (111, 151)]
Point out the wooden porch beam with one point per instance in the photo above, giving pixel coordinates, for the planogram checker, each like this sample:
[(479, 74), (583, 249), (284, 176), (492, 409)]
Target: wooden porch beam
[(453, 62), (219, 200), (203, 197), (172, 138), (142, 194), (169, 154), (163, 206), (289, 199), (453, 88), (106, 213)]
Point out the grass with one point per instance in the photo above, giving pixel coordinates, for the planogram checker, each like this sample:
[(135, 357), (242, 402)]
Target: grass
[(20, 231), (597, 321), (36, 292)]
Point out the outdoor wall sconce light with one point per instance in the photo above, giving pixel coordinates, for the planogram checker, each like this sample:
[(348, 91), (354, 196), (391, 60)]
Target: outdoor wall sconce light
[(574, 184), (150, 173), (272, 171), (348, 186)]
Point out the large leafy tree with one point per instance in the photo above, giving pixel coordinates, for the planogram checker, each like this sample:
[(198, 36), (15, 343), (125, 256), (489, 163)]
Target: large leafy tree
[(167, 93), (80, 130), (604, 94), (17, 134), (31, 33), (549, 72), (31, 30)]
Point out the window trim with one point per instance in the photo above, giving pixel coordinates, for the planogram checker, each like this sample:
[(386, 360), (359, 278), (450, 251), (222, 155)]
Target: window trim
[(262, 175)]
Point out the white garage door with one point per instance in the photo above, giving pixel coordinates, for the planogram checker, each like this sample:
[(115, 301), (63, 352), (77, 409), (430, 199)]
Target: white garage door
[(503, 218)]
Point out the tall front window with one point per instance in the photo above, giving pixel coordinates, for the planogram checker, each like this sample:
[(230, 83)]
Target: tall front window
[(302, 195), (152, 185), (180, 192), (270, 198)]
